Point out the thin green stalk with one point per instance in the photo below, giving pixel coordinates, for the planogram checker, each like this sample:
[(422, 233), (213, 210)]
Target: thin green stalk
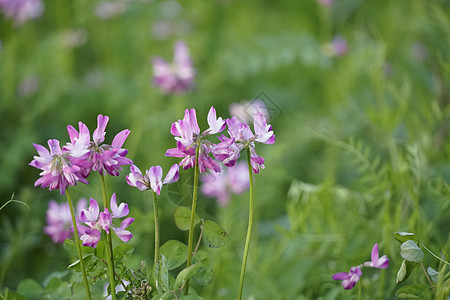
[(109, 254), (429, 280), (194, 207), (360, 291), (156, 217), (77, 242), (249, 229)]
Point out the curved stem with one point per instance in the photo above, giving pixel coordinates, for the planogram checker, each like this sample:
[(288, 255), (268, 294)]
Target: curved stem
[(445, 262), (77, 242), (249, 228), (109, 254), (156, 215), (191, 224), (429, 280)]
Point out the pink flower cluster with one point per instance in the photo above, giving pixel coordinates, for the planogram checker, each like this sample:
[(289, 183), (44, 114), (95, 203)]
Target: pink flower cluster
[(59, 220), (96, 221), (176, 77), (22, 10), (73, 163), (350, 279), (189, 140)]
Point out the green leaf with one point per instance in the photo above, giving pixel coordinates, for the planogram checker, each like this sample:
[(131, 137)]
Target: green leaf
[(433, 274), (58, 289), (405, 270), (183, 218), (412, 291), (405, 236), (9, 295), (160, 276), (204, 275), (185, 274), (411, 252), (191, 297), (175, 253), (30, 288), (123, 251), (88, 260), (99, 251), (71, 247), (163, 296), (214, 236)]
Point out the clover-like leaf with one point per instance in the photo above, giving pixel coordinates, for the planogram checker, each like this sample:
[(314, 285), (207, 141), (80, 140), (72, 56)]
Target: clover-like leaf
[(175, 253), (405, 270), (413, 291), (183, 218), (185, 274), (411, 252), (214, 236), (405, 236)]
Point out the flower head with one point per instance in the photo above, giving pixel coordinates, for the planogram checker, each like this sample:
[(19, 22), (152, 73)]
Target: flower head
[(188, 137), (377, 262), (220, 185), (349, 279), (96, 221), (104, 157), (241, 137), (22, 10), (58, 171), (152, 178), (177, 77), (59, 220)]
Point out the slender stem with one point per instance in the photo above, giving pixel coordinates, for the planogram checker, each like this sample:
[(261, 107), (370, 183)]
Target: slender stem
[(249, 228), (77, 242), (429, 280), (445, 262), (155, 211), (194, 206), (109, 254), (360, 291)]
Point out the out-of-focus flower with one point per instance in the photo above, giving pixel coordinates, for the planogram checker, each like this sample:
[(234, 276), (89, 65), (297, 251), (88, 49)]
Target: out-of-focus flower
[(188, 137), (22, 10), (109, 9), (176, 77), (326, 3), (339, 46), (28, 86), (419, 51), (96, 221), (58, 171), (152, 178), (231, 180), (74, 38), (349, 279), (241, 137), (59, 220), (247, 110), (377, 262)]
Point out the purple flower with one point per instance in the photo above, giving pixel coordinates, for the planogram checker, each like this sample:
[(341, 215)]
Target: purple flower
[(349, 279), (232, 180), (96, 221), (59, 220), (177, 77), (58, 171), (106, 157), (22, 10), (241, 137), (188, 137), (377, 262), (152, 178)]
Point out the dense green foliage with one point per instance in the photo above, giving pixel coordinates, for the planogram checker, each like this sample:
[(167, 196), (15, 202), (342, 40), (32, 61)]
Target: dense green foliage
[(362, 147)]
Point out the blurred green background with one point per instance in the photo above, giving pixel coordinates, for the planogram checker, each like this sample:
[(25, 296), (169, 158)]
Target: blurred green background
[(362, 144)]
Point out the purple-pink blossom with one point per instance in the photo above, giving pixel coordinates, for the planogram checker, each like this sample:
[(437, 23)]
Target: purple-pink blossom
[(95, 155), (22, 10), (152, 178), (247, 110), (349, 279), (59, 220), (377, 262), (178, 76), (188, 137), (58, 171), (96, 221), (232, 180), (241, 137)]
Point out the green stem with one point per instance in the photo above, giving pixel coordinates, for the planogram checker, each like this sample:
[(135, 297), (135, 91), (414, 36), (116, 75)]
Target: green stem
[(109, 254), (194, 206), (360, 291), (429, 280), (445, 262), (249, 229), (77, 242), (155, 211)]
